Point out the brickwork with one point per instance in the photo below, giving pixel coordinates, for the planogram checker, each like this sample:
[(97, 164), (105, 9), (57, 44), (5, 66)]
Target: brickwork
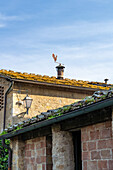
[(38, 154), (97, 147)]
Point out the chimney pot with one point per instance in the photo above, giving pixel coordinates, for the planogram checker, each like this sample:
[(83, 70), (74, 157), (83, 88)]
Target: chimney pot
[(60, 71), (106, 80)]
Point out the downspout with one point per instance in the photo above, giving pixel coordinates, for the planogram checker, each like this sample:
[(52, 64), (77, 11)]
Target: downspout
[(3, 140)]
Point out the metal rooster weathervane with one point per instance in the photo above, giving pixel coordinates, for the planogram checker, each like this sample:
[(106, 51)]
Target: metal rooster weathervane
[(55, 59)]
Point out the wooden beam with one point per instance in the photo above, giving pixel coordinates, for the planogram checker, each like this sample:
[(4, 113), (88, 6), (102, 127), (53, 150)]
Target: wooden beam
[(87, 119), (36, 133)]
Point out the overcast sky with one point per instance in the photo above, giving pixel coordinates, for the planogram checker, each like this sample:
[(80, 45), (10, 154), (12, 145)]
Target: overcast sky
[(80, 32)]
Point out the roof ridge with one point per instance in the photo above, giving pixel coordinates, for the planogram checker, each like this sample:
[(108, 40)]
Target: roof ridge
[(47, 79)]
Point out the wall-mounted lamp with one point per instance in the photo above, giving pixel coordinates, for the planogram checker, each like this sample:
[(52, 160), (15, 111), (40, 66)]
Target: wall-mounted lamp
[(27, 101)]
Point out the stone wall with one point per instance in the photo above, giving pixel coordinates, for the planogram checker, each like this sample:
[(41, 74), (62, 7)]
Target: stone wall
[(97, 147), (18, 153), (9, 109), (40, 104), (43, 99), (62, 149), (5, 84)]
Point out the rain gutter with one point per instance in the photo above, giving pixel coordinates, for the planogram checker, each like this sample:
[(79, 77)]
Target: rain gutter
[(52, 84), (87, 109), (55, 85)]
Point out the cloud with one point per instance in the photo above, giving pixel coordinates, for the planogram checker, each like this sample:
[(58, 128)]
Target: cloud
[(5, 19), (86, 49), (74, 31), (70, 38), (94, 72), (13, 17), (2, 25)]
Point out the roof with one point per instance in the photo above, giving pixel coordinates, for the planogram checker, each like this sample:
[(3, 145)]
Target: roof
[(99, 100), (52, 80)]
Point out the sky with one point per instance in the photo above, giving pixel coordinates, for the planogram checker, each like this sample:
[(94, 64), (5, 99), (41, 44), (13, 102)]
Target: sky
[(79, 32)]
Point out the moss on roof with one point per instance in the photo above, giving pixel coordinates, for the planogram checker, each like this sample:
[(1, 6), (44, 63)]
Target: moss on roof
[(54, 80), (96, 97)]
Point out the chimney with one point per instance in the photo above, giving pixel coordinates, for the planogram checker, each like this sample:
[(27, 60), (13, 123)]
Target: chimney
[(60, 71), (106, 80)]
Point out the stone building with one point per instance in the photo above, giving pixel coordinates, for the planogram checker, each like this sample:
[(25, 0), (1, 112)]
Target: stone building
[(74, 137), (47, 93), (62, 131)]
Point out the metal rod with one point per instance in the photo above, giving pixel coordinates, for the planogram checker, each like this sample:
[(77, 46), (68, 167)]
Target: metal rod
[(27, 111)]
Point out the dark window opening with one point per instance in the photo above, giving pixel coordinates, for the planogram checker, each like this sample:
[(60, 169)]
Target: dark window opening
[(49, 163), (77, 150)]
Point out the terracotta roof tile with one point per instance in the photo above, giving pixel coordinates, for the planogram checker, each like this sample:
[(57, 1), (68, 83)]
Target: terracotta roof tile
[(46, 79)]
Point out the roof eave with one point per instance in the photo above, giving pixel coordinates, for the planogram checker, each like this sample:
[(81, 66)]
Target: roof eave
[(87, 109), (50, 84)]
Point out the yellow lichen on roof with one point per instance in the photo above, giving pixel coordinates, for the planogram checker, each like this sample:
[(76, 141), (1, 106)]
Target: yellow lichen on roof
[(47, 79)]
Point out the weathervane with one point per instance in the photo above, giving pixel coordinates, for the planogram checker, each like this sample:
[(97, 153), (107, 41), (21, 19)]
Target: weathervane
[(60, 67), (55, 59)]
